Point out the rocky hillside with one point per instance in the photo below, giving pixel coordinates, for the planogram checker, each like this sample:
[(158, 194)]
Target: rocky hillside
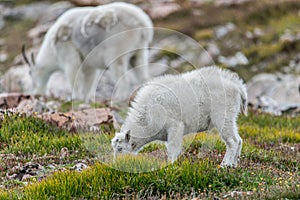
[(258, 39)]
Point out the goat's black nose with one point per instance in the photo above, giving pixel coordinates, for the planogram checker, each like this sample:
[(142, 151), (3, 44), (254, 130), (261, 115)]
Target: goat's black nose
[(119, 148)]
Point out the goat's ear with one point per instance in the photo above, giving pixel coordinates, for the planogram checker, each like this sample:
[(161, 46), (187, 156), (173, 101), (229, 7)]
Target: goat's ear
[(64, 33), (108, 20), (92, 17), (127, 136), (88, 21)]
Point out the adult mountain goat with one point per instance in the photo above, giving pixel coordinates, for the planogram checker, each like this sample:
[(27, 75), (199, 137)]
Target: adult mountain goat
[(103, 36), (171, 106)]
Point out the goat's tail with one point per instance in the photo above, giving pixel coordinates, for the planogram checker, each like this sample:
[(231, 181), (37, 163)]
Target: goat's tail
[(244, 99)]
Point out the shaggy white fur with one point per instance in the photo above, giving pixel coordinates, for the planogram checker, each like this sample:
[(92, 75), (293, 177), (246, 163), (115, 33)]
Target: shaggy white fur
[(103, 36), (171, 106)]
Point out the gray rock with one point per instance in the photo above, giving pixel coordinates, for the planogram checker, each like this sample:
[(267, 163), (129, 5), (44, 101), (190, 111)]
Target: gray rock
[(294, 64), (213, 50), (31, 11), (26, 177), (3, 56), (54, 11), (282, 88), (178, 50), (79, 167), (28, 170), (257, 33), (33, 106), (2, 22), (11, 100), (16, 79), (275, 93), (222, 31), (52, 166), (268, 105), (38, 32), (207, 57), (64, 153), (161, 10), (260, 85), (232, 61), (79, 120), (287, 36)]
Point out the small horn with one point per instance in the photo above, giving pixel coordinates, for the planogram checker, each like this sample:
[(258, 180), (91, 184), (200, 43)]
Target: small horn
[(32, 58), (24, 55)]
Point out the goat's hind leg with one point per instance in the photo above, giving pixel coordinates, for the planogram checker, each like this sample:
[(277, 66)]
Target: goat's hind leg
[(224, 116), (233, 141), (90, 83)]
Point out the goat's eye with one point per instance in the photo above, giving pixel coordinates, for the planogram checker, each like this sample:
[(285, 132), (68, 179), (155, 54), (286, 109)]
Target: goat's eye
[(117, 140), (133, 145)]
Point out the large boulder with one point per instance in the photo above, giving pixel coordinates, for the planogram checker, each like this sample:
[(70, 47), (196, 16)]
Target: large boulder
[(31, 11), (275, 93), (12, 100), (88, 119)]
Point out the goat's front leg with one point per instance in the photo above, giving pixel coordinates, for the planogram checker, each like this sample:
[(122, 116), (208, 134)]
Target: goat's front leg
[(75, 78), (70, 62), (40, 77), (174, 143)]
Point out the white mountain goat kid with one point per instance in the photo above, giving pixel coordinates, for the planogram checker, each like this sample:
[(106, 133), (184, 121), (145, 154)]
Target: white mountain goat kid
[(171, 106), (103, 36)]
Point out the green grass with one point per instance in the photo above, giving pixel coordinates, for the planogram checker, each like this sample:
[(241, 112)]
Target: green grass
[(105, 182), (266, 170), (29, 135)]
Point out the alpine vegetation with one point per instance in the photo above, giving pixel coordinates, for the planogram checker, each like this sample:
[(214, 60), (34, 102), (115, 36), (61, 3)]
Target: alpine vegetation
[(171, 106), (85, 40)]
